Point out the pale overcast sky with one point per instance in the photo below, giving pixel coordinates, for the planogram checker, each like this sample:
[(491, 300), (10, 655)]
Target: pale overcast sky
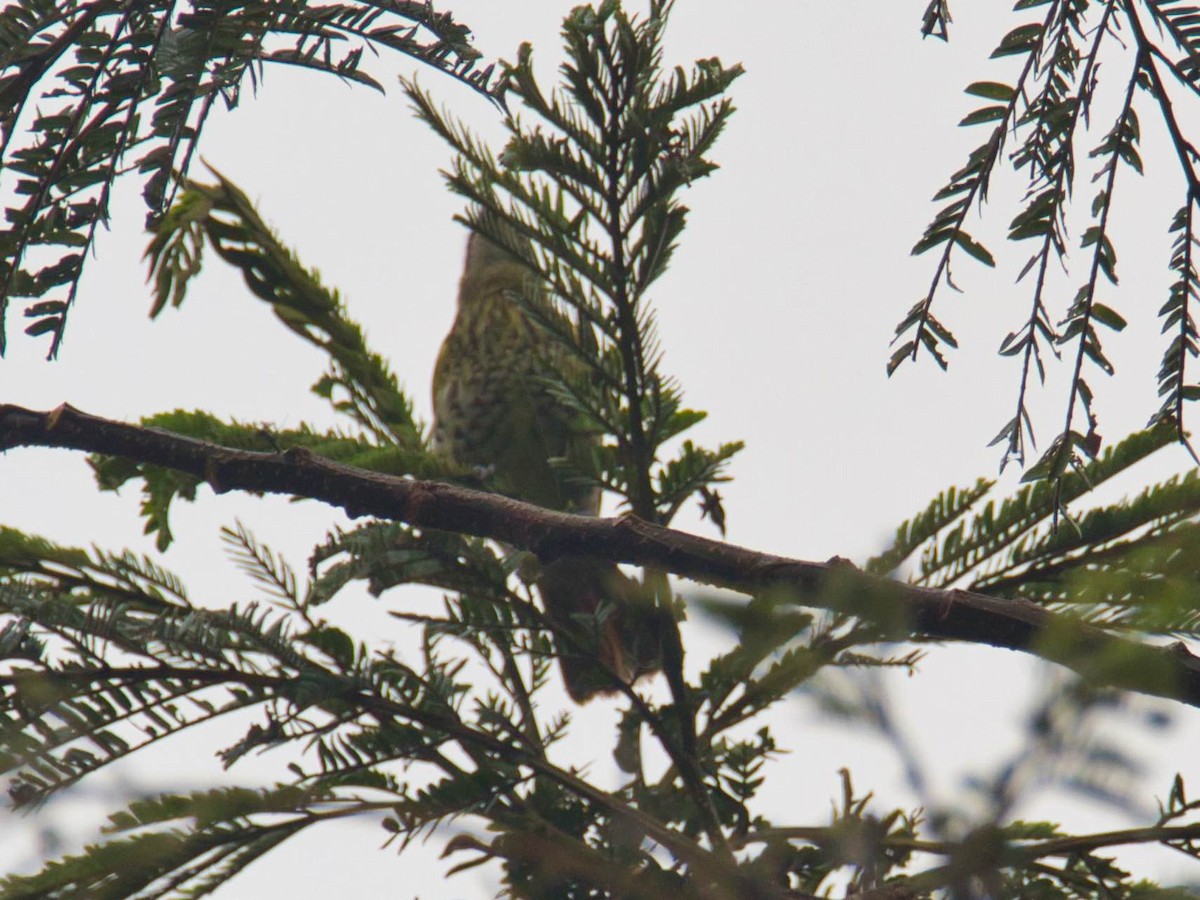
[(776, 318)]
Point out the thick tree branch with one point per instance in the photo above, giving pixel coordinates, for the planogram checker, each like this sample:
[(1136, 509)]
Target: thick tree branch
[(902, 611)]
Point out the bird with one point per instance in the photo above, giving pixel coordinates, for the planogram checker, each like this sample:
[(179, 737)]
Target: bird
[(495, 411)]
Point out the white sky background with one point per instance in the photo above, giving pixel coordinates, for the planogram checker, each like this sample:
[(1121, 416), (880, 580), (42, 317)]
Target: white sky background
[(776, 317)]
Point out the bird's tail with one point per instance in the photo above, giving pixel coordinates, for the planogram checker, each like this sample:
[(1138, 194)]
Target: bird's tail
[(606, 629)]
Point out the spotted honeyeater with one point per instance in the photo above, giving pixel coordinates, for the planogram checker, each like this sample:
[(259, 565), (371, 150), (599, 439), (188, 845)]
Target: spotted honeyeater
[(495, 410)]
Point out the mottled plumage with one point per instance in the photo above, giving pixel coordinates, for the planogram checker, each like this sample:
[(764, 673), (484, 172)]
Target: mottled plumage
[(492, 410)]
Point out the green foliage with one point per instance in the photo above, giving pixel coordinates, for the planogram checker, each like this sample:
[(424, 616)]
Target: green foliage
[(194, 861), (161, 487), (89, 91), (387, 554), (1131, 563), (359, 384), (103, 655), (1177, 317), (943, 511), (1047, 110)]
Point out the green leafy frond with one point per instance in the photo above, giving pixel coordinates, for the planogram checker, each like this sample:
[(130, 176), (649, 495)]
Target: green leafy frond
[(161, 487), (943, 511), (1178, 320), (981, 542), (91, 91), (211, 807), (71, 723), (968, 187), (486, 615), (221, 838), (124, 678), (387, 554), (360, 383), (123, 576), (1128, 563), (694, 469), (451, 798), (1177, 19), (1049, 123), (344, 753), (108, 680), (780, 648), (269, 570), (1087, 312)]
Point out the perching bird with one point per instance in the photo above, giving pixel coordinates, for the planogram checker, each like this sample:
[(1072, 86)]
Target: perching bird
[(493, 410)]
